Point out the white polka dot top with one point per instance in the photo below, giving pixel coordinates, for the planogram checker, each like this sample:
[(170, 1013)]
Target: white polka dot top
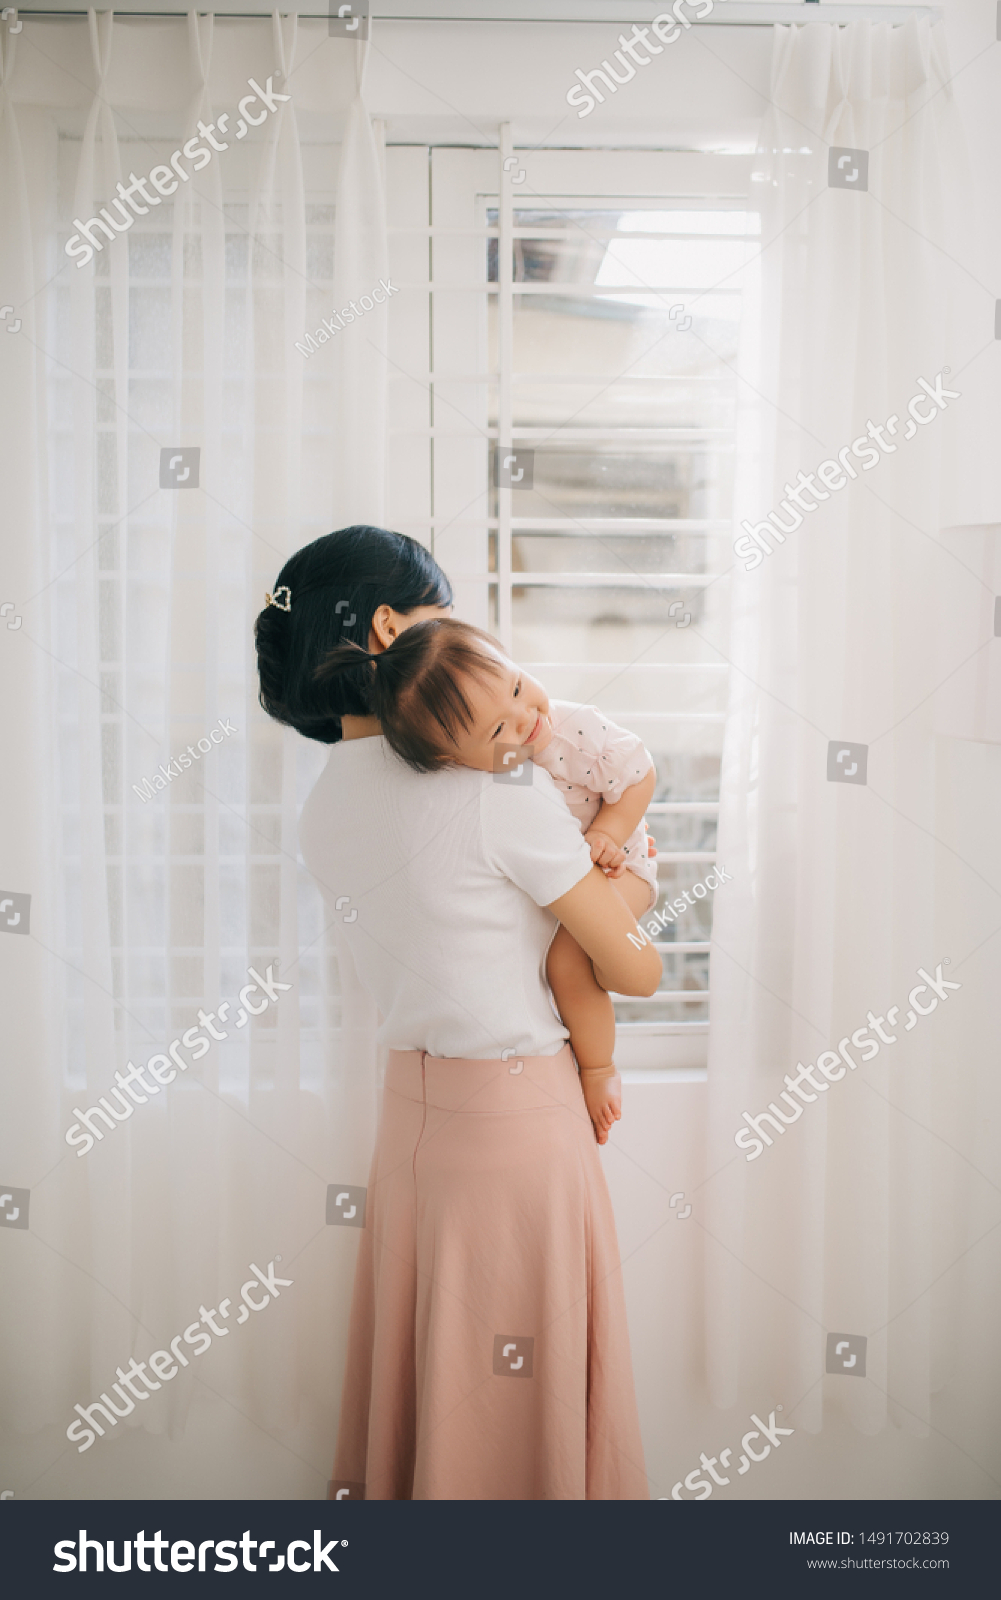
[(592, 759)]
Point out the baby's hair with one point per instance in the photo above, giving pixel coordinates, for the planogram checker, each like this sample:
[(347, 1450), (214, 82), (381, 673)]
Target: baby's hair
[(415, 687)]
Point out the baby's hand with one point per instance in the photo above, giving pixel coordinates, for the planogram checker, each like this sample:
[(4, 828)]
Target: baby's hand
[(605, 853)]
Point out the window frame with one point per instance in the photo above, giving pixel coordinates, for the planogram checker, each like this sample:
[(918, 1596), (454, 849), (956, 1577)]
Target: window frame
[(448, 506)]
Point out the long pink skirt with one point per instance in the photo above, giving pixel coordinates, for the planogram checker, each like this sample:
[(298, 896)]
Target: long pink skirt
[(488, 1356)]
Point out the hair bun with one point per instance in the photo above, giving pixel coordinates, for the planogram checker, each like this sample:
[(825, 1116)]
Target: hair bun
[(360, 568)]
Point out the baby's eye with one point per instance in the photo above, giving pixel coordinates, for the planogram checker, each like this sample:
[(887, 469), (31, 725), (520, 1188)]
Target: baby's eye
[(517, 689), (497, 730)]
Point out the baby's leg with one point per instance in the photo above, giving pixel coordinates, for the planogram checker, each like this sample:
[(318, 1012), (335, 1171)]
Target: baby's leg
[(589, 1017), (635, 891), (589, 1014)]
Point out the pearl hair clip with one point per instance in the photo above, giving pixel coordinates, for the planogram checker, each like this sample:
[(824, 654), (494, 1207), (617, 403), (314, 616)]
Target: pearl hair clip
[(273, 600)]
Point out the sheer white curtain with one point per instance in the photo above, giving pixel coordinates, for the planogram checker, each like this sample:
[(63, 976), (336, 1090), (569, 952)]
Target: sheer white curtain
[(865, 1216), (137, 604)]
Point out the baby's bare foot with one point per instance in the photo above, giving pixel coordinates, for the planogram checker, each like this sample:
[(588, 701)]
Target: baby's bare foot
[(602, 1088)]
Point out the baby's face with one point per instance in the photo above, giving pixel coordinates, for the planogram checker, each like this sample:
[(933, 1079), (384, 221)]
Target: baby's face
[(509, 709)]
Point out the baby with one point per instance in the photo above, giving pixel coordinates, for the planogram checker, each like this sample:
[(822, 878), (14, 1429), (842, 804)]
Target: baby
[(445, 693)]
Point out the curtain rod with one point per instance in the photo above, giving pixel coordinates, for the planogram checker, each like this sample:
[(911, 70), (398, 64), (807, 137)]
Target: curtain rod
[(725, 13)]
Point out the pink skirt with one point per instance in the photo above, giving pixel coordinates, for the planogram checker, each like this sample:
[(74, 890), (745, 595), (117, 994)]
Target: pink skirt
[(488, 1356)]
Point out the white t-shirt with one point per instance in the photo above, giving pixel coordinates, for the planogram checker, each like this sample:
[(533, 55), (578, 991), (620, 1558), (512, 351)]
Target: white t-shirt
[(446, 876)]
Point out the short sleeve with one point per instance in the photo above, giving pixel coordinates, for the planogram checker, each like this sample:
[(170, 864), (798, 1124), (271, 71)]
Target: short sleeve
[(615, 758), (531, 837)]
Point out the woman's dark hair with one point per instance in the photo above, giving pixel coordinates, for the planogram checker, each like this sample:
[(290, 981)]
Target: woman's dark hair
[(415, 686), (337, 584)]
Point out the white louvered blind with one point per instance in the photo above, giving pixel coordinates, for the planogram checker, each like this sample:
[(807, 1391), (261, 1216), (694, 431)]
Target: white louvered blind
[(545, 308)]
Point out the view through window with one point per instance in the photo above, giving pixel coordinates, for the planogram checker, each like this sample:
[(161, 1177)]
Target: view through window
[(616, 390)]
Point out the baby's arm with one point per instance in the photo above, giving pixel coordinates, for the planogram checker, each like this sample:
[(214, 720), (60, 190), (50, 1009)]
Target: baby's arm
[(614, 823)]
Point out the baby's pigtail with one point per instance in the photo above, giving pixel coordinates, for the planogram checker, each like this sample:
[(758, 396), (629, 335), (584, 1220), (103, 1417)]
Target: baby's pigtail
[(386, 672)]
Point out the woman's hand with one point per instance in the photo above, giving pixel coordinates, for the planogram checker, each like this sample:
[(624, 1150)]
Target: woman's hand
[(605, 853)]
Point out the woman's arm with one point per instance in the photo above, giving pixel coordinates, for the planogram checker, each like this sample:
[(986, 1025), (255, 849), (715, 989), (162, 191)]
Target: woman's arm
[(600, 921)]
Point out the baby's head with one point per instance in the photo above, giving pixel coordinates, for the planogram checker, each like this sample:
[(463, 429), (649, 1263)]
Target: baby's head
[(447, 695)]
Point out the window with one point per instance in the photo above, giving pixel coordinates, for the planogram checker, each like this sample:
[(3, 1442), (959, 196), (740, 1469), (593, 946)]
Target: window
[(598, 577), (551, 318)]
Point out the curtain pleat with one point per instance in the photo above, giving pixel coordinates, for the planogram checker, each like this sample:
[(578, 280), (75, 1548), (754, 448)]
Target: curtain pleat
[(98, 317), (32, 992), (832, 1227), (149, 911), (361, 259)]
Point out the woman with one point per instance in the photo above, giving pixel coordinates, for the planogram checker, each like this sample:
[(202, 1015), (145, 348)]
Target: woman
[(488, 1354)]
